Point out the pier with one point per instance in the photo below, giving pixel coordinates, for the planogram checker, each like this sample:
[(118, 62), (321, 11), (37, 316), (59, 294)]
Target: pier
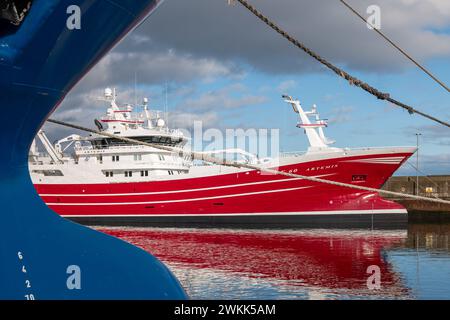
[(433, 186)]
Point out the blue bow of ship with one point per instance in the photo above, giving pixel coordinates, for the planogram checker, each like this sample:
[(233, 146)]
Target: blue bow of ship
[(44, 51)]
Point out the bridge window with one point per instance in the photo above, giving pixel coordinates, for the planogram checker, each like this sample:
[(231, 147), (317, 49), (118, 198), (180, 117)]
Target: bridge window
[(115, 158), (50, 173)]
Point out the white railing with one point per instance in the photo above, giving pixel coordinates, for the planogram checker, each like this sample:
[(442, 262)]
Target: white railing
[(117, 148), (375, 148), (291, 154), (109, 148), (300, 153)]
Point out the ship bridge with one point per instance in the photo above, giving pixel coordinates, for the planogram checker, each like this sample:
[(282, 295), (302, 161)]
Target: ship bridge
[(147, 126)]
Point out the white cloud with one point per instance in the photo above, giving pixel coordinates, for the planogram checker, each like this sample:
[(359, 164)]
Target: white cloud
[(287, 85), (341, 114), (225, 98), (213, 29), (185, 120), (154, 68), (430, 134)]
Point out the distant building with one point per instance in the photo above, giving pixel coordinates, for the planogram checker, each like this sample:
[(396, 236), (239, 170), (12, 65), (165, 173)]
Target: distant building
[(432, 186)]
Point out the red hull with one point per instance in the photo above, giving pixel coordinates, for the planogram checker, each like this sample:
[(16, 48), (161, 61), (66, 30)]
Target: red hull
[(244, 193)]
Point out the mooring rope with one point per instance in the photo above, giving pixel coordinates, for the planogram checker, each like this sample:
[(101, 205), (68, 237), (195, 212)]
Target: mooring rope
[(351, 79), (205, 157), (409, 57)]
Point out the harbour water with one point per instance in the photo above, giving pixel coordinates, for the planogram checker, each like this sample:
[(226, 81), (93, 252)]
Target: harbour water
[(302, 264)]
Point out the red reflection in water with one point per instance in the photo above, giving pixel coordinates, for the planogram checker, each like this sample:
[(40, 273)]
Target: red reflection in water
[(329, 259)]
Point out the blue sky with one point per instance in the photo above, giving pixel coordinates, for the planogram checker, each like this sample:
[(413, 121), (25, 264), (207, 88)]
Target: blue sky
[(227, 69)]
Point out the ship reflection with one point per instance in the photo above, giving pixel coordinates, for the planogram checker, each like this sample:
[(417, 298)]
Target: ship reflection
[(218, 263)]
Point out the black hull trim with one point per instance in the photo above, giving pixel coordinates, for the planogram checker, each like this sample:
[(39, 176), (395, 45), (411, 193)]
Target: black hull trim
[(341, 221)]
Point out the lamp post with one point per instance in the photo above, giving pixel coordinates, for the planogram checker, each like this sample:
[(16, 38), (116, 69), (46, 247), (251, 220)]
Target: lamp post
[(417, 163)]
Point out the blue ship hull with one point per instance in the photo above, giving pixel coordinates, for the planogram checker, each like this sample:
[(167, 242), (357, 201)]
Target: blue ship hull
[(42, 255)]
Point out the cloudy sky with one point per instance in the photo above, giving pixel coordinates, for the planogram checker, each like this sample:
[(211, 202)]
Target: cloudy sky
[(223, 66)]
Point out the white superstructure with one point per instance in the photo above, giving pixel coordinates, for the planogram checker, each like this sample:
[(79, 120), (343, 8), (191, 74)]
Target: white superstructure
[(103, 159), (99, 159), (96, 159)]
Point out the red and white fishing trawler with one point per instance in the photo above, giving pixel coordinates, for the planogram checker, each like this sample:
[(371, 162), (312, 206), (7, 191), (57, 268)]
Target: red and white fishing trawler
[(108, 181)]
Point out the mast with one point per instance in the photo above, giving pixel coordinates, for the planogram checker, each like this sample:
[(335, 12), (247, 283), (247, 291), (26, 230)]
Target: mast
[(166, 107), (315, 141)]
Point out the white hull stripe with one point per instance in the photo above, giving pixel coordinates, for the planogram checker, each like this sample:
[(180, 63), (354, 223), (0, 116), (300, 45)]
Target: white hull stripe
[(176, 191), (301, 213), (385, 160), (174, 201), (379, 162)]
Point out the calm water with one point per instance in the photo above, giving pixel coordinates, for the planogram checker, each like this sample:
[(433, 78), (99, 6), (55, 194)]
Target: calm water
[(301, 264)]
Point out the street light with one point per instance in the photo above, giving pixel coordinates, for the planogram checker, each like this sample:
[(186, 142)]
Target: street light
[(417, 164)]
